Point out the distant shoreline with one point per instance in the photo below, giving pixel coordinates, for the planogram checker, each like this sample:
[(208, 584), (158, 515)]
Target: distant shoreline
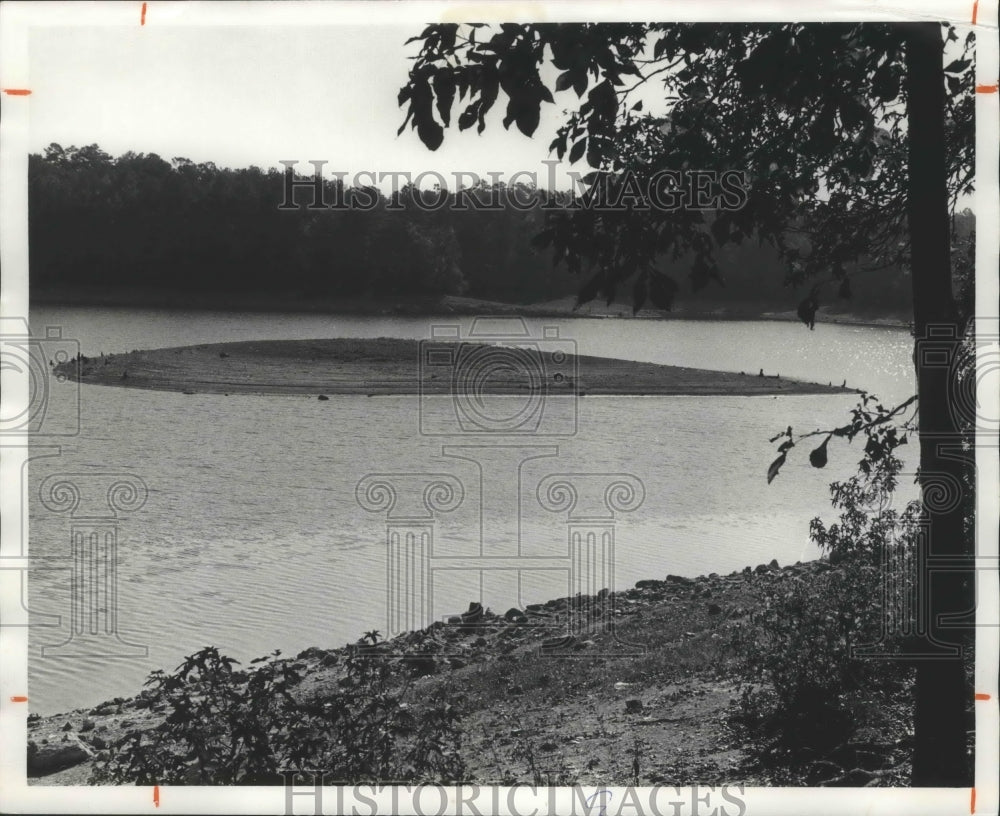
[(385, 366), (432, 306)]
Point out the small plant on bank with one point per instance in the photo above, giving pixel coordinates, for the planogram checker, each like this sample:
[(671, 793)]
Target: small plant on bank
[(225, 726), (810, 702)]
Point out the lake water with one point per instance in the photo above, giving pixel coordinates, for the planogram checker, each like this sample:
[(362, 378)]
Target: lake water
[(252, 538)]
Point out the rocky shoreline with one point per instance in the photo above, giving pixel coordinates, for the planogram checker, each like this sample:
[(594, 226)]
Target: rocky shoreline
[(654, 671)]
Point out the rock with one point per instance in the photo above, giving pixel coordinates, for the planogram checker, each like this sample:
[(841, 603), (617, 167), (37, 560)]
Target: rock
[(515, 615), (456, 663), (474, 614), (421, 666), (323, 398), (98, 742), (87, 725), (579, 646), (774, 564), (67, 726), (747, 570), (558, 642), (679, 579), (761, 569), (57, 756), (480, 642), (714, 609), (633, 706), (648, 583), (454, 619)]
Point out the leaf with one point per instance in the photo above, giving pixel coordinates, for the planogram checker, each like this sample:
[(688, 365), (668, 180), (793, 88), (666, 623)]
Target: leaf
[(957, 66), (523, 109), (559, 145), (564, 80), (852, 113), (817, 457), (406, 121), (468, 117), (527, 119), (444, 89), (430, 133), (886, 83), (576, 152), (637, 106), (605, 102), (772, 471), (874, 449)]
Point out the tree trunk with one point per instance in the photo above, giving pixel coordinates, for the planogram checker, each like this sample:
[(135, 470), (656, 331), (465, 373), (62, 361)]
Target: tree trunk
[(940, 708)]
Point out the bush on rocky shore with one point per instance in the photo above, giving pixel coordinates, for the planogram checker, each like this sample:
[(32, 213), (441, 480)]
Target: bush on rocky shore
[(223, 726)]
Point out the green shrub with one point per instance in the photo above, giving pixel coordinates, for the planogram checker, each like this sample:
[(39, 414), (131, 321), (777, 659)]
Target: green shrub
[(224, 726), (807, 695)]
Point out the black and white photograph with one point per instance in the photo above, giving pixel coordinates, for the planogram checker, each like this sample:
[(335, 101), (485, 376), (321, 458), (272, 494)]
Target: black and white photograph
[(437, 407)]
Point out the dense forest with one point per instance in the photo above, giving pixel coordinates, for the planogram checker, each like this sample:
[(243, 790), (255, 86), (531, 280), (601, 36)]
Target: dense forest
[(140, 222)]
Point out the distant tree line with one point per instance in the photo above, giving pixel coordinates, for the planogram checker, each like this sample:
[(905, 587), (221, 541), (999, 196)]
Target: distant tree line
[(140, 221)]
